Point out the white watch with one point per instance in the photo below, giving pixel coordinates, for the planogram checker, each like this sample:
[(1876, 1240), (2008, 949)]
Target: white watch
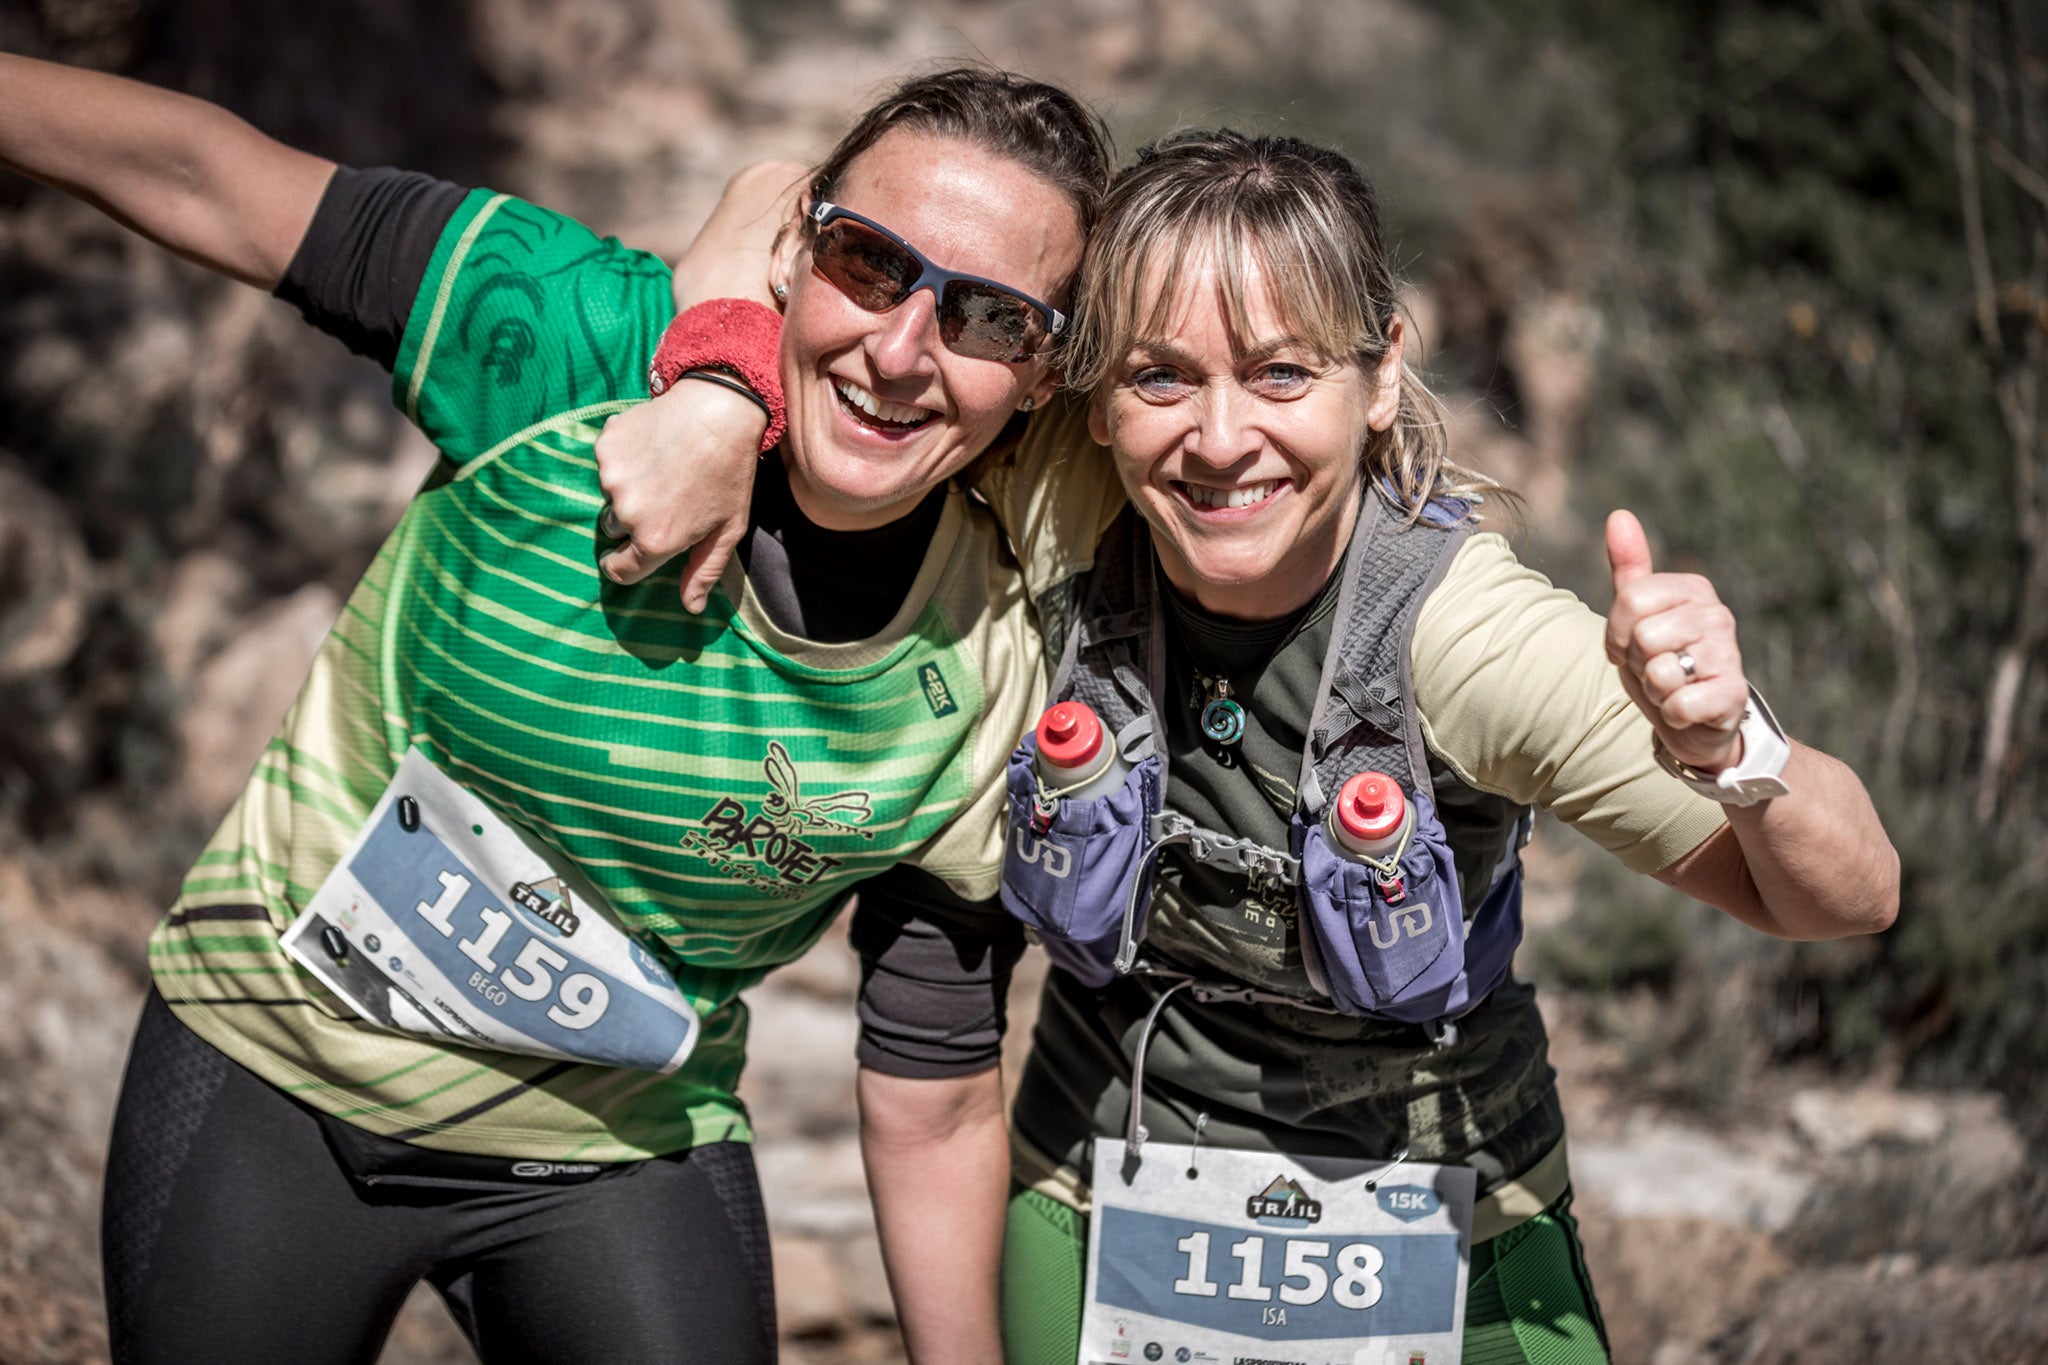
[(1764, 753)]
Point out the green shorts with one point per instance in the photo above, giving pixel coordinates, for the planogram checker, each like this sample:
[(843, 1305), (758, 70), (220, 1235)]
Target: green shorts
[(1529, 1300)]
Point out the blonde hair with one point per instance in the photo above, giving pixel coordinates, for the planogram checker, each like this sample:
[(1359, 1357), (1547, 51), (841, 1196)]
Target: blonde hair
[(1308, 220)]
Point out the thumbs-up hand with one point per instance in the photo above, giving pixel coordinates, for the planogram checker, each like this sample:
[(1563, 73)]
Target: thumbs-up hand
[(1674, 644)]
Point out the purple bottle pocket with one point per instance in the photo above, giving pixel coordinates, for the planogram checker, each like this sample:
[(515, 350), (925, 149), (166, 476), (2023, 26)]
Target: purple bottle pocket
[(1071, 882), (1397, 953)]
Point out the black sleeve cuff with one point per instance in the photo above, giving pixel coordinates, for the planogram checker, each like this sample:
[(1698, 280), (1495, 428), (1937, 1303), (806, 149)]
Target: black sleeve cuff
[(360, 265), (935, 974)]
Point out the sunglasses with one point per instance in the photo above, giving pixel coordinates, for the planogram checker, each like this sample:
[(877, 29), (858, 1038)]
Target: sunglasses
[(877, 271)]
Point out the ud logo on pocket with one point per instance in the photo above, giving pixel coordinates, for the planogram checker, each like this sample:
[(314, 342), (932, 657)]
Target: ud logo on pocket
[(1058, 862), (1415, 920)]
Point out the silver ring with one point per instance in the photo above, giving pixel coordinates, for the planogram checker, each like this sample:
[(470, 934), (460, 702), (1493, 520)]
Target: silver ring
[(1688, 665), (610, 527)]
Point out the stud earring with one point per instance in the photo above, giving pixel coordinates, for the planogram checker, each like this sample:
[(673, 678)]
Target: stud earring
[(1026, 406), (782, 293)]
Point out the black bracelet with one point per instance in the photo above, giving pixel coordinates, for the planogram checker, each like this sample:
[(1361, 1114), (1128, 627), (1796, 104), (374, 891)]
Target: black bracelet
[(726, 380)]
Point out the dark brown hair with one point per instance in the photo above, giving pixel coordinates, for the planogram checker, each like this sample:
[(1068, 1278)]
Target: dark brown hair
[(1038, 126)]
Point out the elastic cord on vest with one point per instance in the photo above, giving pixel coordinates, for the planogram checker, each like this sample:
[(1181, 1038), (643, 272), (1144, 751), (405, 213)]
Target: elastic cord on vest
[(1136, 1135), (1134, 1129), (1127, 936), (1048, 795)]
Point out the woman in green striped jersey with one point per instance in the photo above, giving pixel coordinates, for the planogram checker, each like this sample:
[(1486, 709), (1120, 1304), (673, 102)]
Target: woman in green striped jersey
[(452, 994)]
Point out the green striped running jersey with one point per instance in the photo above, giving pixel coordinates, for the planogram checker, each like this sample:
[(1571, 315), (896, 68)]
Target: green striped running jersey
[(720, 784)]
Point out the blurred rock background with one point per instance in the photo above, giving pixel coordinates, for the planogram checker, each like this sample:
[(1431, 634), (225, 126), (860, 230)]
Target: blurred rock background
[(1772, 273)]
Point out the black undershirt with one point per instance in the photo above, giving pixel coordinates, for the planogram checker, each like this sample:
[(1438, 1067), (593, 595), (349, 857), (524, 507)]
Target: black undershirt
[(831, 586), (935, 967)]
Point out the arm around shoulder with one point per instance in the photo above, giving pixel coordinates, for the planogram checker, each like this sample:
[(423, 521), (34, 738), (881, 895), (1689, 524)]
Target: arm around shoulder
[(733, 253)]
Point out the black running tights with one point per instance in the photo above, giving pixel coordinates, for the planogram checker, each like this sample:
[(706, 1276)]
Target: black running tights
[(231, 1235)]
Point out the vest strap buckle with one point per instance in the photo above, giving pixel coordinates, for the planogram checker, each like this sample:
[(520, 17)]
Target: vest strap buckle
[(1222, 850)]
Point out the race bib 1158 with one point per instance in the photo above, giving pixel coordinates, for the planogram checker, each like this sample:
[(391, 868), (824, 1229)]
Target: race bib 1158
[(1213, 1255), (442, 919)]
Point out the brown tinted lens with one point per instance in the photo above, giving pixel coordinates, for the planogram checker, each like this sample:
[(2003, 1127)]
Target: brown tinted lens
[(862, 264), (989, 324)]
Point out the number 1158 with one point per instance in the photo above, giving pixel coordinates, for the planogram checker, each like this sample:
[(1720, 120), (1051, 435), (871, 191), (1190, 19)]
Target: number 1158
[(1356, 1283)]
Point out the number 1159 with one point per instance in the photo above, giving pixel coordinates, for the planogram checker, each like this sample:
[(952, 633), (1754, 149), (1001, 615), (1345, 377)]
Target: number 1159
[(580, 1000)]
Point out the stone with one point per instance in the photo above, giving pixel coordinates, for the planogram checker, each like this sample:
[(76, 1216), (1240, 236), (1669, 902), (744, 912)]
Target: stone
[(1839, 1121), (815, 1188), (1661, 1170), (239, 695), (866, 1280), (809, 1298), (45, 578)]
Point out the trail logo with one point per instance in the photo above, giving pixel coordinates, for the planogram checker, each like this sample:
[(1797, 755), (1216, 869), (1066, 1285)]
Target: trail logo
[(1283, 1204), (768, 851), (549, 899)]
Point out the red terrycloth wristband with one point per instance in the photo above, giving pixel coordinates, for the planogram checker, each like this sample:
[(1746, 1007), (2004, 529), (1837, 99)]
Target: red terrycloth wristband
[(737, 335)]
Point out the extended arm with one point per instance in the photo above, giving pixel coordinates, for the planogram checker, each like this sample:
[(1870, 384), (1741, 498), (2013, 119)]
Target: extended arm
[(187, 174), (937, 1154), (1812, 864), (679, 469)]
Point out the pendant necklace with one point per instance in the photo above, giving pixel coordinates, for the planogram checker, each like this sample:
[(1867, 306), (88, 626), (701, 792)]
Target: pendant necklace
[(1222, 717)]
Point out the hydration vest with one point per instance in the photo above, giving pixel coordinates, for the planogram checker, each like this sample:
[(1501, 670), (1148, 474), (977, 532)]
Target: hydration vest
[(1396, 939)]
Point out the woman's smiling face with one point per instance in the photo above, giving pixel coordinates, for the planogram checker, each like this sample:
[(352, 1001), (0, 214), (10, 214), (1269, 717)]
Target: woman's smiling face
[(1242, 451), (880, 411)]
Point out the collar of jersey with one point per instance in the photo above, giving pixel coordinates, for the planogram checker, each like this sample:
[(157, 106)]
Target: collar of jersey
[(863, 657)]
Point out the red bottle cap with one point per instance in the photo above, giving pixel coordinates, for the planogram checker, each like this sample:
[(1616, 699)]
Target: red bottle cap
[(1371, 806), (1069, 735)]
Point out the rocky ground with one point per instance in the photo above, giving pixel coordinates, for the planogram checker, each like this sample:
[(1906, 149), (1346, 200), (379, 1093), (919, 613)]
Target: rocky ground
[(189, 484)]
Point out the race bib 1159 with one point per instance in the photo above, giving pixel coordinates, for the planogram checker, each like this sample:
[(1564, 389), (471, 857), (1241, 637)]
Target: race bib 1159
[(442, 919)]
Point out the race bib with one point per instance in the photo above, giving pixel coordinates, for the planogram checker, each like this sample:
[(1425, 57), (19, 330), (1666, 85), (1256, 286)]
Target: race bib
[(442, 919), (1250, 1258)]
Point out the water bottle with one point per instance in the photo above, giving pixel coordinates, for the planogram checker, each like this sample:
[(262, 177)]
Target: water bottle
[(1074, 749), (1370, 818)]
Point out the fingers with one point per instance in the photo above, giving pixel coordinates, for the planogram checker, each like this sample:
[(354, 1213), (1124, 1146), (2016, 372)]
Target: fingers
[(678, 472), (1628, 549), (1640, 601), (646, 541), (1683, 664), (631, 562), (1702, 626), (1673, 643), (707, 565), (1706, 700)]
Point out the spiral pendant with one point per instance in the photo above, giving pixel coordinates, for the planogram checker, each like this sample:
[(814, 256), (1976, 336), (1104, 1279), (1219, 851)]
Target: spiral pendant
[(1223, 721)]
